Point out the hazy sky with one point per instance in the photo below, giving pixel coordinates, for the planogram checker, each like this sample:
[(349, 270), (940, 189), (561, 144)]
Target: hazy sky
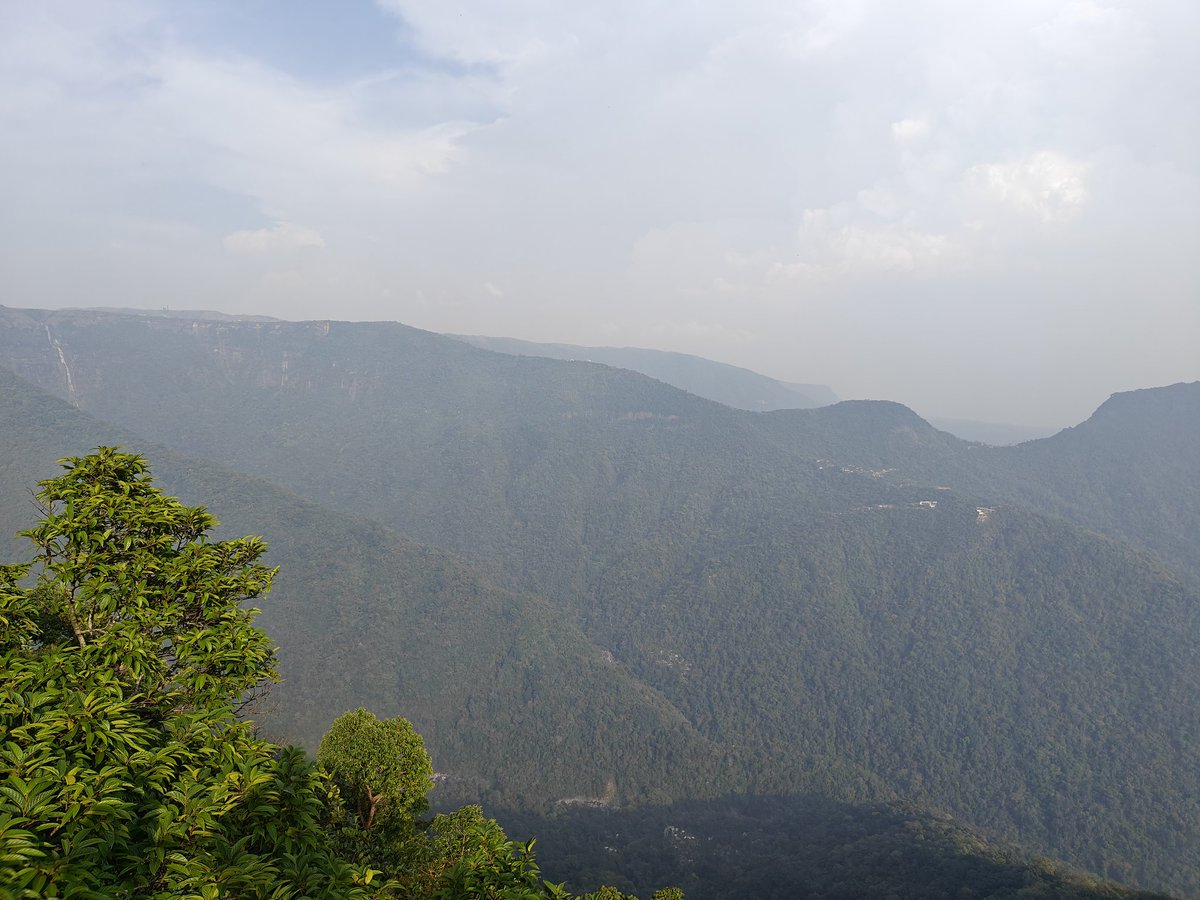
[(982, 209)]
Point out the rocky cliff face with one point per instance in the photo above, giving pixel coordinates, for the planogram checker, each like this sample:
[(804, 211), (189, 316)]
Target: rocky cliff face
[(31, 349), (84, 356)]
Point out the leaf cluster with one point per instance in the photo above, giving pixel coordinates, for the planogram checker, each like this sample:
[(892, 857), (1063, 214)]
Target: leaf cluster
[(125, 771)]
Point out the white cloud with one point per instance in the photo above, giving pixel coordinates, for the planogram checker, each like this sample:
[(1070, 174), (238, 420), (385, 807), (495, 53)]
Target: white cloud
[(264, 134), (845, 247), (1048, 186), (1095, 34), (824, 25), (880, 201), (758, 168), (487, 32), (980, 213), (908, 131), (281, 237)]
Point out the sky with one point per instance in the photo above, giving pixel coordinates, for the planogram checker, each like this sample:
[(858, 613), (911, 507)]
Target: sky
[(985, 210)]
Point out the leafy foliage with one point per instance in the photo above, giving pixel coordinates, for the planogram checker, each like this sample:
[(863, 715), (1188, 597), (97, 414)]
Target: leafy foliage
[(125, 772), (377, 764), (143, 591)]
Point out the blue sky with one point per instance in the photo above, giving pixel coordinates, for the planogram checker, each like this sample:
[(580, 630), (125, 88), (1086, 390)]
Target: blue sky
[(984, 210), (308, 39)]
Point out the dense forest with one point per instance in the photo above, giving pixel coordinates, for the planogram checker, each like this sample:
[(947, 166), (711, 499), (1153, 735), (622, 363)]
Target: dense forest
[(651, 600), (127, 769), (129, 773)]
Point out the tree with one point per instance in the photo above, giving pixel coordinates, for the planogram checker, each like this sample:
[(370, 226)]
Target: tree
[(377, 764), (123, 769), (143, 591)]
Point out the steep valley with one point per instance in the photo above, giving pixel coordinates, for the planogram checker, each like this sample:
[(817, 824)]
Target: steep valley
[(648, 597)]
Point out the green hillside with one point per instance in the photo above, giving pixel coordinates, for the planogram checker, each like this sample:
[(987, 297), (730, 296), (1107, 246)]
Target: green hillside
[(809, 845), (841, 600), (1131, 470), (365, 618), (777, 848)]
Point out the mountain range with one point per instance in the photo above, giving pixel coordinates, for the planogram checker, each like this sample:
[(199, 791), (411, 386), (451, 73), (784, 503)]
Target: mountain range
[(730, 385), (735, 386), (588, 586)]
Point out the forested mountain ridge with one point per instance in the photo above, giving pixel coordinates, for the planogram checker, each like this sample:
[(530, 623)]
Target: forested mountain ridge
[(1053, 474), (1131, 470), (834, 599), (62, 701), (778, 848), (731, 385), (352, 599), (735, 386)]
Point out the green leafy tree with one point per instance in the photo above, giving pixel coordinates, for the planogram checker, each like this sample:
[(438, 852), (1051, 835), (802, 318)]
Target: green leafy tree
[(377, 764), (124, 771), (141, 588), (608, 892), (492, 866)]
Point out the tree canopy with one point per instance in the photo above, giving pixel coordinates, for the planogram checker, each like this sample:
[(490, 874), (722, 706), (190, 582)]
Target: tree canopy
[(377, 763), (126, 772)]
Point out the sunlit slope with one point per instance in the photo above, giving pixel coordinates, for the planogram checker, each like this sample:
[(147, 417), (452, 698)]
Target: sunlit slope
[(497, 456), (1129, 471), (505, 689), (492, 677), (837, 599)]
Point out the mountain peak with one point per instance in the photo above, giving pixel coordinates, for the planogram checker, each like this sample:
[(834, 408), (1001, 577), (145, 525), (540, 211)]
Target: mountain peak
[(1164, 409), (876, 413)]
